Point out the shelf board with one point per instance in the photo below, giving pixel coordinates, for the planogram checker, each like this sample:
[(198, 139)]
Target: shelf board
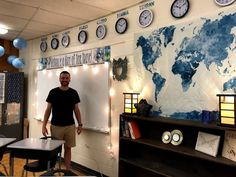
[(157, 168), (182, 150), (181, 122)]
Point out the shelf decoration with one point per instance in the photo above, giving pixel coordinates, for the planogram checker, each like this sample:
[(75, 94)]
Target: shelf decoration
[(229, 148), (129, 100), (227, 109), (143, 108), (207, 143), (122, 66)]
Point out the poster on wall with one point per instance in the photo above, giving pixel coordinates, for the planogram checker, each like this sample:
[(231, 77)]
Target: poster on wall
[(182, 67), (2, 87)]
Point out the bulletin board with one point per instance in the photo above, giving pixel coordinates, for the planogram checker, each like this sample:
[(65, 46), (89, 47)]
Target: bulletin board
[(92, 85)]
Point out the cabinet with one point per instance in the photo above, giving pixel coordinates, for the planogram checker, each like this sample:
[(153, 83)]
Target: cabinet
[(148, 156), (11, 104)]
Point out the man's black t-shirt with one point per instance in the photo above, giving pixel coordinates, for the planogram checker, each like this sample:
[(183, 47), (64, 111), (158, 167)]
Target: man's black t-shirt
[(63, 102)]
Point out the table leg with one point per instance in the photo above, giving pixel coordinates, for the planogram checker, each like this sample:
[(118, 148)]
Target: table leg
[(11, 165)]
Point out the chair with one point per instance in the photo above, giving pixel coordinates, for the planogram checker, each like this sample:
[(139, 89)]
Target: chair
[(42, 165), (1, 156)]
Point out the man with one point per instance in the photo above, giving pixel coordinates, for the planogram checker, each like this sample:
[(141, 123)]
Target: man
[(62, 102)]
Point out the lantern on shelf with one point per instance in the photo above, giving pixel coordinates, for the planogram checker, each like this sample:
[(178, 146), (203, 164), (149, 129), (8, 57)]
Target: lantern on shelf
[(227, 111), (129, 100)]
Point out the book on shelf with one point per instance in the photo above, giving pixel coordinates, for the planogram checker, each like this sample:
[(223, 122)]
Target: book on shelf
[(229, 147), (134, 130), (124, 128)]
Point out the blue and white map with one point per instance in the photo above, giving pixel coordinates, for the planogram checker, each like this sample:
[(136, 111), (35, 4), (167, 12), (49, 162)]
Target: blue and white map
[(186, 65)]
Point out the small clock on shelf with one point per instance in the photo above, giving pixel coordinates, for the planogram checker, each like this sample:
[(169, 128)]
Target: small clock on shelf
[(224, 2), (54, 43), (65, 41), (82, 37), (121, 25), (43, 46), (101, 31), (179, 8), (145, 18)]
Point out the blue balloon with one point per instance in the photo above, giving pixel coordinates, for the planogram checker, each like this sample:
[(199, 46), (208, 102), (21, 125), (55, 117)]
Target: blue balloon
[(11, 58), (18, 63), (2, 51), (19, 43)]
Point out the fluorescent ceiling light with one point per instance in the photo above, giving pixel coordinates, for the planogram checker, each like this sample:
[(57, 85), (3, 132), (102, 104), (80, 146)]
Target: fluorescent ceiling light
[(3, 31)]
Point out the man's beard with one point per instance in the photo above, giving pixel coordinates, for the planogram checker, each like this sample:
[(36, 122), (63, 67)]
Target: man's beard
[(64, 83)]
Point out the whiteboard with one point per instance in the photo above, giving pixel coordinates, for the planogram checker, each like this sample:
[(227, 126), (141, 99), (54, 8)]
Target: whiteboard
[(92, 85)]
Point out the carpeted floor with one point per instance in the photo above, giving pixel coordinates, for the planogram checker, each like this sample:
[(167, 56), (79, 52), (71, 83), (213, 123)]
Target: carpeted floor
[(18, 166)]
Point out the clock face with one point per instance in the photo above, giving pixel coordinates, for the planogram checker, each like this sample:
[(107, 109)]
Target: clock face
[(82, 36), (101, 31), (179, 8), (54, 43), (65, 41), (43, 46), (145, 18), (224, 2), (121, 25)]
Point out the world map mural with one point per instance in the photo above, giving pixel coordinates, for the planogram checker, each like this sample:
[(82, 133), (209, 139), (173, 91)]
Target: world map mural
[(186, 65)]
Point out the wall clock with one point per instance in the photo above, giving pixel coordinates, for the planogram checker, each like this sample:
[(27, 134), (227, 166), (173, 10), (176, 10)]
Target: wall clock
[(54, 43), (82, 36), (121, 25), (101, 31), (179, 8), (145, 18), (65, 41), (43, 46), (224, 2)]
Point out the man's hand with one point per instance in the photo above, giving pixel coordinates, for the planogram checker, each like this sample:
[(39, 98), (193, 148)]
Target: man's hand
[(44, 131), (79, 129)]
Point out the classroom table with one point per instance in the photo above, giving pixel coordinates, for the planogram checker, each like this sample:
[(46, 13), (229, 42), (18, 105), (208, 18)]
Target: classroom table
[(33, 148), (3, 143)]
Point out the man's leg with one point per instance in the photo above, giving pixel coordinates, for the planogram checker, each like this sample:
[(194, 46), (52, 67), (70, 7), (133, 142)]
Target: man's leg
[(67, 157)]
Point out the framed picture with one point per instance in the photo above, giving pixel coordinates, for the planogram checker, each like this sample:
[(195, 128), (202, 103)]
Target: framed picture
[(207, 143), (229, 147)]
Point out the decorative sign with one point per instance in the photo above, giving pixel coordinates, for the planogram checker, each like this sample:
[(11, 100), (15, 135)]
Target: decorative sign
[(93, 56), (229, 148), (2, 87), (207, 143), (101, 21), (122, 14), (146, 5), (83, 27)]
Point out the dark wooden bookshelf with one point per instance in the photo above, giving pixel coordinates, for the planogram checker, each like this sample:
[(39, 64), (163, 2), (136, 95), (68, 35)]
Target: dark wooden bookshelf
[(149, 156)]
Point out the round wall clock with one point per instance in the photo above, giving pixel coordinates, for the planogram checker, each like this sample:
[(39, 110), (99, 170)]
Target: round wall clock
[(43, 46), (145, 18), (101, 31), (179, 8), (82, 36), (224, 2), (121, 25), (54, 43), (65, 41)]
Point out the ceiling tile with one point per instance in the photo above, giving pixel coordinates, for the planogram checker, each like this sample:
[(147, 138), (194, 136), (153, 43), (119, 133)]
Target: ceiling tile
[(56, 19), (12, 22), (75, 9), (31, 3), (111, 5), (16, 10), (42, 27)]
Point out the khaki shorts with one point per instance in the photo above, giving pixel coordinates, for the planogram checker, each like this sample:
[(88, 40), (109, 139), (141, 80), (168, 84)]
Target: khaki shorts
[(66, 133)]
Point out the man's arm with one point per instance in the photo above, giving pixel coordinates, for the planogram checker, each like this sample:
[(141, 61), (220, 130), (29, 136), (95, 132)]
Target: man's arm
[(45, 119), (78, 118)]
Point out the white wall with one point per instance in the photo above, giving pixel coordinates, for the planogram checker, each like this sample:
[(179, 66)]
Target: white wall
[(91, 150)]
